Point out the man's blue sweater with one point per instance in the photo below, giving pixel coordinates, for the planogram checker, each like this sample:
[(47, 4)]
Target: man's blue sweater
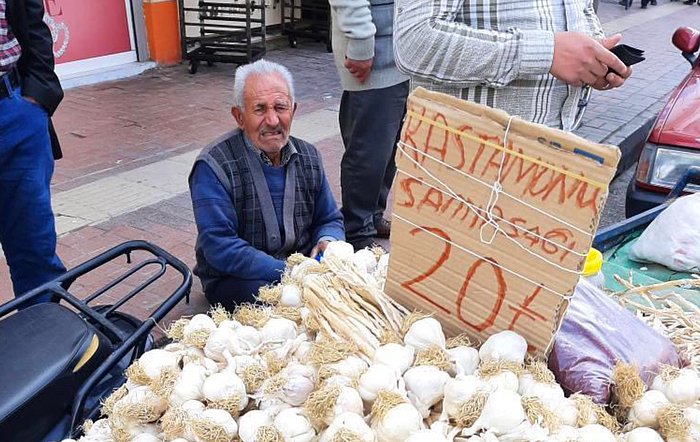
[(218, 224)]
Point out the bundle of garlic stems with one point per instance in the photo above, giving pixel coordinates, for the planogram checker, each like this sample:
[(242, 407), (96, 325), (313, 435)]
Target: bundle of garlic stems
[(669, 313), (350, 305)]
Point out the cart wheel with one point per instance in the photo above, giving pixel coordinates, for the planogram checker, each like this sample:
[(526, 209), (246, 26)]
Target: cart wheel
[(194, 65)]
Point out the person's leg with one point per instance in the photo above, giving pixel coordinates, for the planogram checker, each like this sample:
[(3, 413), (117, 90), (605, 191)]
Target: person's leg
[(229, 292), (397, 106), (369, 122), (27, 229)]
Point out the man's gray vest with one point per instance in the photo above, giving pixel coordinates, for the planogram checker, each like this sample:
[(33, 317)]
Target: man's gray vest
[(239, 169)]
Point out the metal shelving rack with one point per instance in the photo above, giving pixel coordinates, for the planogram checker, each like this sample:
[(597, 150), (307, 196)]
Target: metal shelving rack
[(230, 31), (308, 19)]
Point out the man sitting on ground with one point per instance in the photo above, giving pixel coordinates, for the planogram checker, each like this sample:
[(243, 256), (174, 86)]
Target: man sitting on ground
[(258, 194)]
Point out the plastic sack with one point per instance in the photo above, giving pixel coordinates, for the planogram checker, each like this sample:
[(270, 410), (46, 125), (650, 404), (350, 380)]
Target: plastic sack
[(673, 238), (595, 333)]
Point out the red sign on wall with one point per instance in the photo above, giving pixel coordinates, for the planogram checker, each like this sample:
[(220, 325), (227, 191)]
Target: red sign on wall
[(87, 29)]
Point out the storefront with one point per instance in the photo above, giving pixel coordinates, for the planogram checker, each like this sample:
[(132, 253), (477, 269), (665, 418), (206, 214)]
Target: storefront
[(90, 35)]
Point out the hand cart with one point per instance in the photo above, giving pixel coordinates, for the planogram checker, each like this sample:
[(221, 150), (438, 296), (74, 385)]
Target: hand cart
[(307, 18), (61, 359), (228, 31)]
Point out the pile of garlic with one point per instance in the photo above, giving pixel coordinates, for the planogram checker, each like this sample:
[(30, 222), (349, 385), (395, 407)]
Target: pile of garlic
[(272, 373)]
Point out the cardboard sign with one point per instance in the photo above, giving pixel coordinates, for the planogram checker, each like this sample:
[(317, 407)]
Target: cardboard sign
[(491, 238)]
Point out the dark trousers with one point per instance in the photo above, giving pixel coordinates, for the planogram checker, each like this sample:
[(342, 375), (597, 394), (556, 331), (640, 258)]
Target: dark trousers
[(27, 229), (229, 292), (370, 124)]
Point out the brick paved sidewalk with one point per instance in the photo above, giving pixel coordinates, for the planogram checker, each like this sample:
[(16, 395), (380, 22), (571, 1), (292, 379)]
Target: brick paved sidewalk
[(119, 129)]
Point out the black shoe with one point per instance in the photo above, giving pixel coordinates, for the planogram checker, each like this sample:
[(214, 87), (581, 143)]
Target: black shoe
[(643, 6), (383, 227), (622, 3), (688, 2), (653, 2)]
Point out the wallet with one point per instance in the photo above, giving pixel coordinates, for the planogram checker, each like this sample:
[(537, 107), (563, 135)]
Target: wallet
[(627, 54)]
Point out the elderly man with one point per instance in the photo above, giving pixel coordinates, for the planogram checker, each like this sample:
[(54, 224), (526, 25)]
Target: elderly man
[(258, 194)]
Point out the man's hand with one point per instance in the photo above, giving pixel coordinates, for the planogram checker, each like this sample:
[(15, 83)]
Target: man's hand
[(612, 80), (359, 69), (580, 59), (320, 247)]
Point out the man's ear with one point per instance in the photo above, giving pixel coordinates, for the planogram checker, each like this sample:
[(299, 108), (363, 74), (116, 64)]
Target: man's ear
[(294, 109), (237, 115)]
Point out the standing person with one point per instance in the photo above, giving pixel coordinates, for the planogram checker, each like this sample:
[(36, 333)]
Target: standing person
[(371, 112), (258, 193), (528, 61), (29, 94)]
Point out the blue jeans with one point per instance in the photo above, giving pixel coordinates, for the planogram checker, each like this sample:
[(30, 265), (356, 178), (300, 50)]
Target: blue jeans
[(27, 229)]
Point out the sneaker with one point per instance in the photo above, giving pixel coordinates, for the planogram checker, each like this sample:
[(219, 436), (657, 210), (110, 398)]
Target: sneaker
[(688, 2), (383, 227)]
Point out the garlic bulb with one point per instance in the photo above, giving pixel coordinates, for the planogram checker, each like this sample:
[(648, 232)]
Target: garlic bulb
[(225, 386), (365, 260), (566, 411), (458, 391), (248, 340), (548, 393), (464, 360), (351, 422), (154, 362), (189, 383), (504, 346), (291, 296), (680, 386), (299, 382), (294, 426), (643, 412), (213, 421), (250, 422), (146, 437), (198, 322), (193, 407), (352, 367), (502, 413), (349, 401), (565, 433), (505, 380), (378, 377), (220, 340), (339, 249), (278, 330), (427, 436), (643, 434), (338, 381), (400, 357), (595, 433), (395, 423), (425, 385), (423, 333)]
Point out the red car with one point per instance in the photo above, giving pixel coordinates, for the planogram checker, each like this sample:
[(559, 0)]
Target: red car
[(673, 144)]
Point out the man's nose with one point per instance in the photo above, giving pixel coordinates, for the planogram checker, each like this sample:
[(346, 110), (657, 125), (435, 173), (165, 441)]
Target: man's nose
[(271, 117)]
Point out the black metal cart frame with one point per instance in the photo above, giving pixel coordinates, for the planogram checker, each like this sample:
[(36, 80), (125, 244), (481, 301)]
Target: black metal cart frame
[(133, 342), (308, 19), (229, 32)]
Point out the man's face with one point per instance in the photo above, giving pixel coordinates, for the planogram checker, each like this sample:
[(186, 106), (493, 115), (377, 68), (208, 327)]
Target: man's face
[(266, 117)]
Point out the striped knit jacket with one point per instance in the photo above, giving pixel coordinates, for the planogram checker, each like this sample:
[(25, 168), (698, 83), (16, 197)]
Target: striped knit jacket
[(493, 52)]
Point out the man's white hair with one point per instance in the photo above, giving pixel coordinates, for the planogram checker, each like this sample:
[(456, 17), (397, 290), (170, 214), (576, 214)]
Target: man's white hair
[(260, 67)]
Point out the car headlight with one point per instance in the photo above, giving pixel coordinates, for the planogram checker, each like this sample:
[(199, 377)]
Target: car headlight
[(663, 166)]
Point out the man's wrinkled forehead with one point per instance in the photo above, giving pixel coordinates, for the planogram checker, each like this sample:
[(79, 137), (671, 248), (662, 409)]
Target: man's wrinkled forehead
[(266, 87)]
